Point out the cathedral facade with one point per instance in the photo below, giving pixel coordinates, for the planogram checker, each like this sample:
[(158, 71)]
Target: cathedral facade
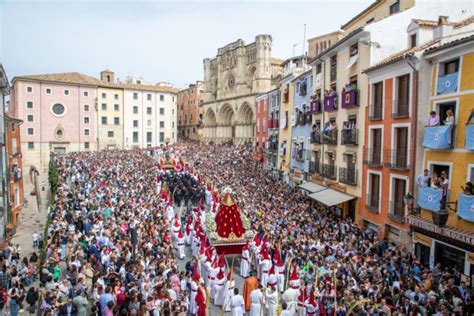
[(233, 79)]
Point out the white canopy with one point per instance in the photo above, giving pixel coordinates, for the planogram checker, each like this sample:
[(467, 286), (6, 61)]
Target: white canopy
[(312, 187), (330, 197)]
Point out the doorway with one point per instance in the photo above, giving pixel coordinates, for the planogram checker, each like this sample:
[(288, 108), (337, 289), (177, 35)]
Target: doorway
[(450, 257)]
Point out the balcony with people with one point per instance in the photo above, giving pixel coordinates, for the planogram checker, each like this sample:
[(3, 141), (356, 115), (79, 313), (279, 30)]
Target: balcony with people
[(316, 137), (315, 104), (349, 133), (330, 133), (330, 100), (440, 134), (350, 96)]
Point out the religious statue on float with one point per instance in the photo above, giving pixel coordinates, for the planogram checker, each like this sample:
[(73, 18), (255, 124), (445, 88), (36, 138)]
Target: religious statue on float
[(228, 219)]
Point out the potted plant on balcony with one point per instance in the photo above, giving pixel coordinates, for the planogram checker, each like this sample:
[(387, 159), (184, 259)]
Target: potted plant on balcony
[(440, 217)]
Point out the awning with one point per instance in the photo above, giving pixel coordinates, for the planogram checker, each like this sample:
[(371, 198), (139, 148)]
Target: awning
[(330, 197), (312, 187), (352, 61)]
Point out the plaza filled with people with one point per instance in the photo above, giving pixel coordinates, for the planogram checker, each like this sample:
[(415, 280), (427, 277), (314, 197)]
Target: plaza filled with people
[(121, 221)]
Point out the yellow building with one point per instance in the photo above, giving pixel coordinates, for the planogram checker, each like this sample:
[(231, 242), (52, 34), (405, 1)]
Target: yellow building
[(443, 221), (110, 109), (284, 142)]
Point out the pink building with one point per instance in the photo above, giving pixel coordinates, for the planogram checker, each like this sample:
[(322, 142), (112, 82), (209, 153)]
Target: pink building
[(261, 135), (58, 113)]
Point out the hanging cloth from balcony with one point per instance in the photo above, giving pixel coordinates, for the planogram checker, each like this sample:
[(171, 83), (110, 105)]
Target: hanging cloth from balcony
[(283, 122), (430, 199), (466, 207), (470, 137), (448, 83), (352, 61), (318, 80), (438, 137)]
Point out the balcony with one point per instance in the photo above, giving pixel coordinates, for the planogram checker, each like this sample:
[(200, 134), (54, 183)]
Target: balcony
[(303, 88), (400, 109), (350, 136), (469, 145), (465, 207), (397, 212), (350, 99), (432, 199), (274, 123), (329, 171), (314, 167), (372, 157), (330, 103), (447, 83), (330, 137), (439, 137), (348, 176), (315, 106), (396, 159), (375, 112), (316, 137), (372, 203)]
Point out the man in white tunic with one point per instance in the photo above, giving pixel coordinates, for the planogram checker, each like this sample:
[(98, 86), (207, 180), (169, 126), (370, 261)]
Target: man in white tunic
[(219, 289), (180, 245), (228, 292), (244, 261), (289, 297), (237, 304), (272, 301), (256, 299)]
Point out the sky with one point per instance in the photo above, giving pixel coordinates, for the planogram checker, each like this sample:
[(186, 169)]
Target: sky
[(156, 40)]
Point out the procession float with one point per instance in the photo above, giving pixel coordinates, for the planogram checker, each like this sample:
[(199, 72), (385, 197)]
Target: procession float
[(229, 230)]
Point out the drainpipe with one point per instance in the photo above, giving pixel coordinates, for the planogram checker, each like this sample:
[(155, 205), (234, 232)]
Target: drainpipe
[(413, 62)]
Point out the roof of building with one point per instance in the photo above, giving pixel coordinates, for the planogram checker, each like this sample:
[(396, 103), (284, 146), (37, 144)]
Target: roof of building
[(373, 5), (338, 32), (452, 43), (10, 118), (64, 77), (401, 55), (276, 61), (433, 24), (426, 23), (338, 43), (81, 79), (464, 22)]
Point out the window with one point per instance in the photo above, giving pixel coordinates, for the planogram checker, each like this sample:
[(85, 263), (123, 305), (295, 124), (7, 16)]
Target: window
[(394, 8), (29, 89), (86, 145), (48, 91), (172, 111), (31, 145), (104, 120), (162, 97), (116, 107), (29, 104), (413, 40), (370, 21), (29, 118), (148, 110), (172, 124), (162, 111), (135, 96), (58, 109), (116, 120), (172, 99), (116, 96), (372, 199), (66, 92), (86, 94), (104, 95), (162, 137), (449, 67), (162, 124), (110, 134), (86, 120), (31, 131), (104, 106), (403, 97), (135, 109), (135, 137), (148, 97), (333, 72), (86, 132), (86, 107), (377, 102), (135, 123), (149, 137), (354, 49)]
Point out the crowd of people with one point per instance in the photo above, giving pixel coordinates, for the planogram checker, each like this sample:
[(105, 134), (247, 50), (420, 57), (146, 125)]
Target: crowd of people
[(116, 233)]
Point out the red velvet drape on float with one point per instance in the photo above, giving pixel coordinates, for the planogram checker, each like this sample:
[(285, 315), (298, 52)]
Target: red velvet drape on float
[(228, 219)]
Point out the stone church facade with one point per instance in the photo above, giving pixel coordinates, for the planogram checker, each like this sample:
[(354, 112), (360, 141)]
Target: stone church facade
[(233, 79)]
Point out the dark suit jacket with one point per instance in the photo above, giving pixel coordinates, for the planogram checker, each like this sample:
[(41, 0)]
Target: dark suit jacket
[(63, 310)]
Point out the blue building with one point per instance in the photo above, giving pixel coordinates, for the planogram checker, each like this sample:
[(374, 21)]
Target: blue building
[(301, 121)]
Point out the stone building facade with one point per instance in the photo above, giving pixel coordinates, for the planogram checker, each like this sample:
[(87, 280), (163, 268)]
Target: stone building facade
[(190, 111), (233, 79)]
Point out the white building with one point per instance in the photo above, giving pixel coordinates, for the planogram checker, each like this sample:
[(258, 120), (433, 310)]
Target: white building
[(150, 114)]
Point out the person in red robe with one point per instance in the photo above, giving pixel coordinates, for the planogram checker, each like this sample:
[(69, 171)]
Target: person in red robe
[(228, 221), (201, 301)]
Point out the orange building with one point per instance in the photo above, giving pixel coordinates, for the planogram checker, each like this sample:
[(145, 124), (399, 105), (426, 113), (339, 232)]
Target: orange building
[(190, 111), (13, 146), (390, 146)]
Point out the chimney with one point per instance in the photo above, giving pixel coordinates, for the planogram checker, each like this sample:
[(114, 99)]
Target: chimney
[(107, 76), (444, 28)]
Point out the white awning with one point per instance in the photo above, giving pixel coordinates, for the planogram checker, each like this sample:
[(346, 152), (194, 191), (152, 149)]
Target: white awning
[(312, 187), (352, 61), (330, 197)]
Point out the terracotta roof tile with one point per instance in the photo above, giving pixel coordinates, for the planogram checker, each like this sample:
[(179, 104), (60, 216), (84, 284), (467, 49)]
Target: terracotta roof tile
[(452, 43), (133, 86), (426, 23), (464, 22), (65, 77), (400, 55)]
